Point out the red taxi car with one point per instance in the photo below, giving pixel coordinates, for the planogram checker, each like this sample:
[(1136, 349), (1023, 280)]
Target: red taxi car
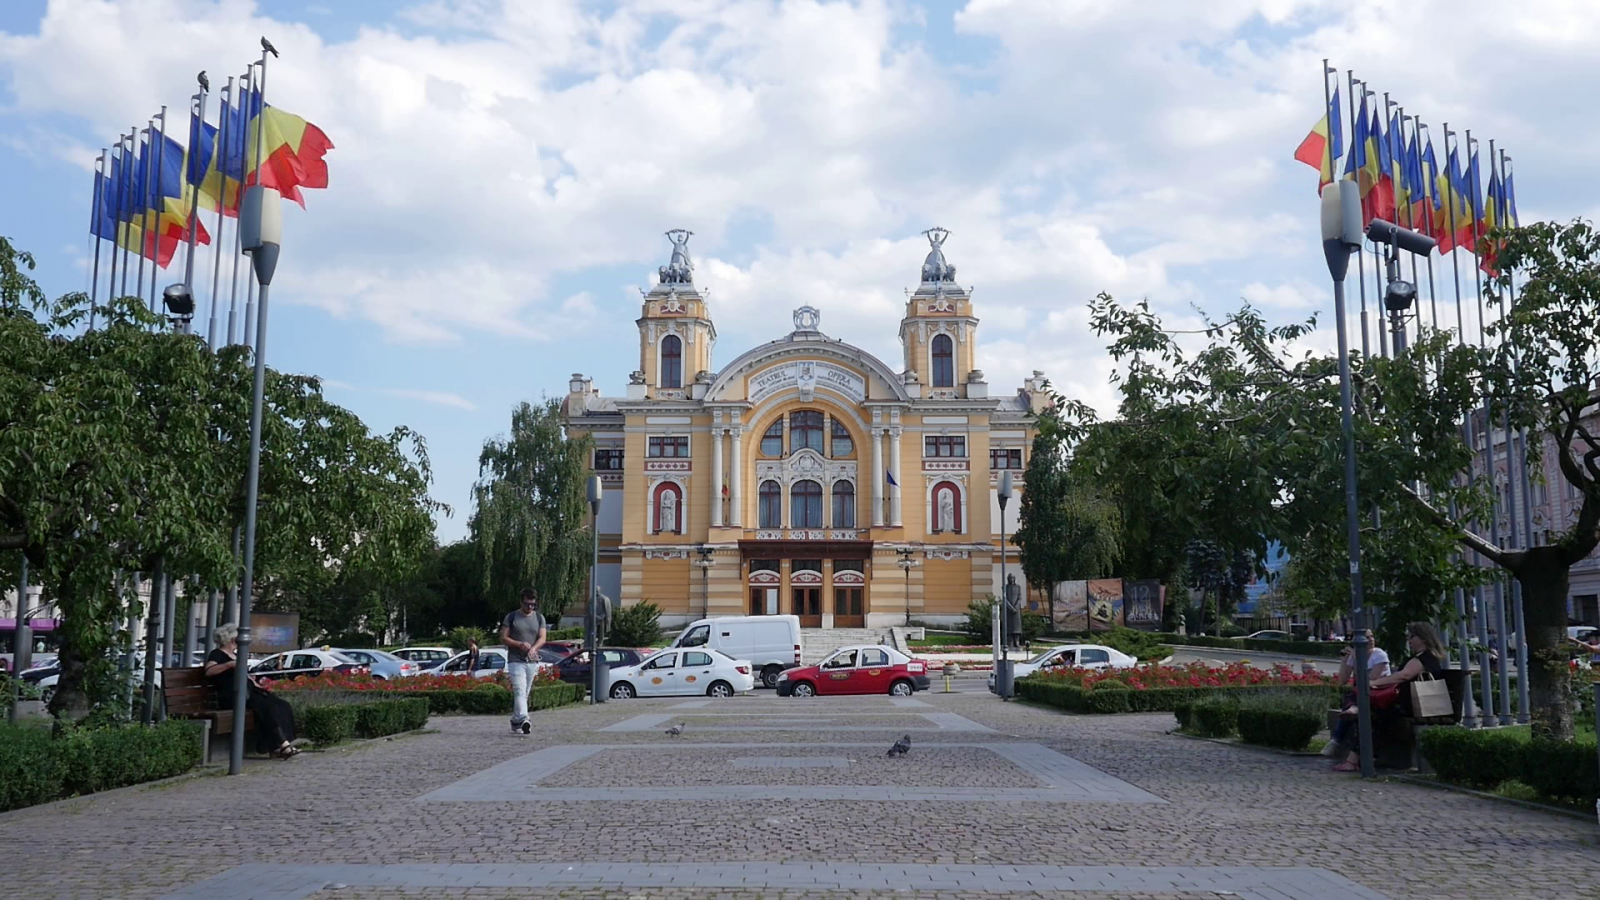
[(865, 669)]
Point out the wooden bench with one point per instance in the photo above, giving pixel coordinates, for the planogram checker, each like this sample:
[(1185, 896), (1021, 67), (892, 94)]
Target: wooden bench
[(187, 694), (1395, 737)]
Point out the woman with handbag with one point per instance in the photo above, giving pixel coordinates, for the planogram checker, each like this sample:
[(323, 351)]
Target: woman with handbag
[(1388, 696), (1377, 667)]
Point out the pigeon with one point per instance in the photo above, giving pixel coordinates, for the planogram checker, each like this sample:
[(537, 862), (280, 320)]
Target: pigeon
[(901, 746), (205, 83), (677, 729), (267, 46)]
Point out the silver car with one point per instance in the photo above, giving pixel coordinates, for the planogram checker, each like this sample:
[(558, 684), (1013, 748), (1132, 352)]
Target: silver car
[(380, 664)]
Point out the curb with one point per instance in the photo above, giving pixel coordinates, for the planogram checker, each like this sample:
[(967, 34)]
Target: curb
[(1302, 754), (1485, 795)]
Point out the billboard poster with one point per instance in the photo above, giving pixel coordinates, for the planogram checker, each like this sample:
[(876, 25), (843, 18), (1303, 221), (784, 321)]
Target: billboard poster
[(274, 632), (1069, 605), (1142, 603), (1105, 603)]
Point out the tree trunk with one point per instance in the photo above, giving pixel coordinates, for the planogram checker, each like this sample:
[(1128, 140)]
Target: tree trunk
[(70, 703), (1543, 577)]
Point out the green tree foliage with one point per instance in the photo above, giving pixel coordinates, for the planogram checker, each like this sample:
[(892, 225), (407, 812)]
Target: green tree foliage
[(531, 516), (1068, 528), (638, 625), (1221, 577), (123, 445)]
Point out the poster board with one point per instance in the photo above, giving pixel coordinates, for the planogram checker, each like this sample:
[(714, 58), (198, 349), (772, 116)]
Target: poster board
[(274, 632)]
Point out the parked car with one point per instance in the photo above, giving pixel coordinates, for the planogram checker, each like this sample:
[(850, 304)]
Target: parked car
[(675, 672), (864, 669), (574, 669), (770, 643), (425, 658), (565, 648), (295, 663), (382, 665), (490, 661), (1073, 656), (1270, 635)]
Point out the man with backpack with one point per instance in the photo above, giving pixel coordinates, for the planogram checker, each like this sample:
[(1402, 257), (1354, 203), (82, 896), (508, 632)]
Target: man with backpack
[(522, 632)]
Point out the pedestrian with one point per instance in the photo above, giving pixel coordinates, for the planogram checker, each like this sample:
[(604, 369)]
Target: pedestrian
[(472, 655), (523, 633)]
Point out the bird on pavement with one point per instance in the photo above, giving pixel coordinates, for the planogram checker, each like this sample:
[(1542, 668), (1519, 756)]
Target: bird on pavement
[(205, 83), (267, 46), (677, 729), (901, 746)]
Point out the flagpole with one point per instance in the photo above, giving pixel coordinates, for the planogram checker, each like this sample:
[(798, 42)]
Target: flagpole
[(158, 196), (256, 99), (116, 219), (128, 167), (1384, 142), (1411, 204), (195, 124), (245, 82), (1361, 256), (218, 160), (1327, 104), (144, 212), (1430, 184), (94, 221)]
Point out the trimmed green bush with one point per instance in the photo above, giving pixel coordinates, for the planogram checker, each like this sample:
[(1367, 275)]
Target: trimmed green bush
[(1214, 717), (38, 767), (549, 696), (1072, 698), (1285, 726), (386, 717), (1563, 770), (324, 725), (1480, 758), (1184, 712)]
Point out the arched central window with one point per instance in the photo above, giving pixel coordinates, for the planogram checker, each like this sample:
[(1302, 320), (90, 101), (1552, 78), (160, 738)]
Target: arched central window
[(944, 362), (771, 505), (844, 446), (805, 430), (805, 505), (672, 361), (844, 504), (772, 441)]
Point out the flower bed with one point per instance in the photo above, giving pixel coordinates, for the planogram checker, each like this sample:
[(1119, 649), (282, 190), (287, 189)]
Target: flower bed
[(1157, 688), (444, 693), (37, 766)]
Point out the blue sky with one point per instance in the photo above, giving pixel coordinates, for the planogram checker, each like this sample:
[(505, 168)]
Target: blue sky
[(502, 177)]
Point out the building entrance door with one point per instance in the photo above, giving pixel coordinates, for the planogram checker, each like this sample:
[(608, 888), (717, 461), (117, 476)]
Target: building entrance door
[(847, 611), (808, 606), (763, 601)]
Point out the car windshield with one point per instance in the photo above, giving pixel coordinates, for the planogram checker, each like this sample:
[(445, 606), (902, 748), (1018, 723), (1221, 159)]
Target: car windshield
[(1040, 659), (341, 656)]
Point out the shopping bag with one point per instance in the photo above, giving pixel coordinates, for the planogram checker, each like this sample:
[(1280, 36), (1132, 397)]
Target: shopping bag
[(1430, 698)]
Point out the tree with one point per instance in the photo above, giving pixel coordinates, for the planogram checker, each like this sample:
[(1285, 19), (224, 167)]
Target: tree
[(1068, 529), (1221, 577), (123, 446), (532, 510)]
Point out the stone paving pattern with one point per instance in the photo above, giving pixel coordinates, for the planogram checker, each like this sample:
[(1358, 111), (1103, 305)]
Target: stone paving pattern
[(1223, 807), (690, 766)]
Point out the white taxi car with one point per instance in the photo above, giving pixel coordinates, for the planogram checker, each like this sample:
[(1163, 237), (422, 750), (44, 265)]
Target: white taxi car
[(677, 672), (1073, 656)]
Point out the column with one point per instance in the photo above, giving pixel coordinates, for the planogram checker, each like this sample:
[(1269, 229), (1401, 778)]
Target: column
[(716, 476), (736, 481), (896, 465), (877, 477)]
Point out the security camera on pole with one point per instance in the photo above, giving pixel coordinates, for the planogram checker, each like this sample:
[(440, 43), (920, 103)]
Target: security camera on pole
[(1399, 294)]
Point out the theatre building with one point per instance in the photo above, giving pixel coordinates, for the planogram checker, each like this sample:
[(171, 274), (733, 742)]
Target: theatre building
[(805, 475)]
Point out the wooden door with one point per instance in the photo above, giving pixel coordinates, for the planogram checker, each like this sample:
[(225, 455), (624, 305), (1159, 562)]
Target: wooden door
[(847, 611), (808, 606)]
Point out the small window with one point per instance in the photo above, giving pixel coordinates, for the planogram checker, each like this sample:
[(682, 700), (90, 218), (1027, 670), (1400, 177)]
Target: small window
[(1091, 656), (491, 661), (849, 565), (772, 440), (844, 660), (944, 362), (1005, 458), (672, 361), (696, 637), (608, 459), (874, 657), (770, 500), (844, 446), (844, 504), (805, 430), (611, 656), (944, 445), (662, 661), (305, 661), (805, 505), (668, 447), (697, 659)]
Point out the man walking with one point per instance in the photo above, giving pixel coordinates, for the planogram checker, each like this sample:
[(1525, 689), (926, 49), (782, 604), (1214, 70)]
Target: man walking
[(523, 634)]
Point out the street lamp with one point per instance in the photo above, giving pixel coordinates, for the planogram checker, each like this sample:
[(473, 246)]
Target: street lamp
[(1341, 236), (705, 562), (1002, 610), (179, 301), (593, 641), (906, 564)]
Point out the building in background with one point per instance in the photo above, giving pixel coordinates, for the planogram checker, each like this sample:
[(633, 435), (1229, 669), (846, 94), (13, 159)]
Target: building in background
[(798, 477)]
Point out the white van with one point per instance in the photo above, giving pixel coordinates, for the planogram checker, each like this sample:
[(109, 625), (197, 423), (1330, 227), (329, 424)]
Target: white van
[(771, 643)]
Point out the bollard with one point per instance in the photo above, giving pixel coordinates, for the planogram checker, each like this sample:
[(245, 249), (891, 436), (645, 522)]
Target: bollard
[(602, 680)]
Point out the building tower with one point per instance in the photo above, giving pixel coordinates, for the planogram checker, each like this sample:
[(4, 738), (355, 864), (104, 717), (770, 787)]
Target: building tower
[(939, 332), (675, 333)]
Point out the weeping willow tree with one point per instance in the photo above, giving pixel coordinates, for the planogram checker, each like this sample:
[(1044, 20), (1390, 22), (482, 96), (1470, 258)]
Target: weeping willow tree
[(530, 520), (1068, 528)]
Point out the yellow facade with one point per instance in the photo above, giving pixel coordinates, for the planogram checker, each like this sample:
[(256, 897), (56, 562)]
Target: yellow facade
[(805, 476)]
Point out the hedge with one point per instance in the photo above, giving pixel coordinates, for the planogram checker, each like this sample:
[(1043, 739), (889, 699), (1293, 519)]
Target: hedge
[(1214, 717), (1124, 699), (1486, 758), (38, 767), (1285, 727), (331, 719), (487, 699)]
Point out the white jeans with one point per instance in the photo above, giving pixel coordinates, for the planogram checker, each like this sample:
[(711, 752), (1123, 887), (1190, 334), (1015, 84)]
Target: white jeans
[(521, 674)]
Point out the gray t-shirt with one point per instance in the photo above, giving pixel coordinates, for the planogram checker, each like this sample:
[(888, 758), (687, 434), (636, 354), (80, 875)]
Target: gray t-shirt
[(522, 628)]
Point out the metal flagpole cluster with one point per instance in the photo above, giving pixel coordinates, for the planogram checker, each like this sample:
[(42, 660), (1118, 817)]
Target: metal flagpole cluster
[(1405, 165)]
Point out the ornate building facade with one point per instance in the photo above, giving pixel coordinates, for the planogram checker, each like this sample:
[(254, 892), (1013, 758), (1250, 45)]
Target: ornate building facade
[(805, 476)]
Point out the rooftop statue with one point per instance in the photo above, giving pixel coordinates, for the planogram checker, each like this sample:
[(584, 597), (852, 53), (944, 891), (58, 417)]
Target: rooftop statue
[(934, 268), (680, 270)]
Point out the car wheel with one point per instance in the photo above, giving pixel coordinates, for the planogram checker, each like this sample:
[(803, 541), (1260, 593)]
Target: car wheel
[(769, 675), (803, 689), (622, 691), (902, 689), (719, 689)]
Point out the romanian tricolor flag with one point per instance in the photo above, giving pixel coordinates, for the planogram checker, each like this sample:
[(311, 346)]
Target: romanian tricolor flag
[(146, 215), (1321, 145), (1453, 216), (292, 148), (1494, 217)]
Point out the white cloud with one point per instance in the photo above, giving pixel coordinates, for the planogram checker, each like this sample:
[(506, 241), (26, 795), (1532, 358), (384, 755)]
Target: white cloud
[(436, 398)]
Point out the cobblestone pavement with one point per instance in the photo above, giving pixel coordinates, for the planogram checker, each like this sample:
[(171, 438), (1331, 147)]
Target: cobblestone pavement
[(351, 823)]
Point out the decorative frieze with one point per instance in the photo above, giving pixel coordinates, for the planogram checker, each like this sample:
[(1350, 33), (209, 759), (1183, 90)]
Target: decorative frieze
[(667, 465), (666, 554), (946, 465), (947, 554), (806, 465)]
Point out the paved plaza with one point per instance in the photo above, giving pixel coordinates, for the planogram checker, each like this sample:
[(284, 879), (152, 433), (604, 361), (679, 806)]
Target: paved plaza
[(764, 797)]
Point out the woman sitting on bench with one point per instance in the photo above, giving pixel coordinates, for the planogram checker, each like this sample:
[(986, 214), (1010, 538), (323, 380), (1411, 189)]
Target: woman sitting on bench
[(274, 717), (1427, 655)]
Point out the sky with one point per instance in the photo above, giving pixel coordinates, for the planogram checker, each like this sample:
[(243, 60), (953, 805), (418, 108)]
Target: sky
[(503, 172)]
